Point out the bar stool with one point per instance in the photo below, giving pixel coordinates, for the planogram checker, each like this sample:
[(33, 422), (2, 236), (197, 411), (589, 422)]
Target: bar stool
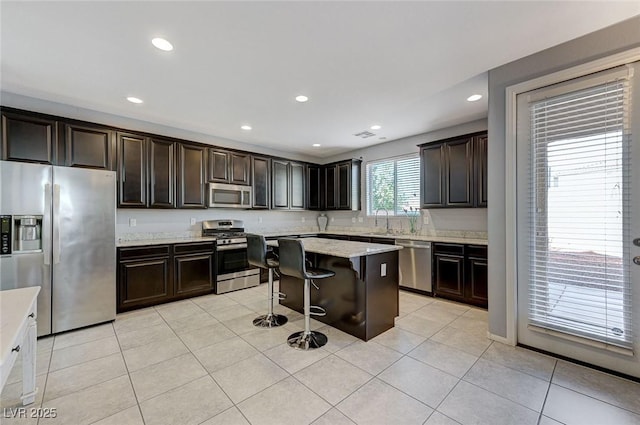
[(292, 263), (257, 256)]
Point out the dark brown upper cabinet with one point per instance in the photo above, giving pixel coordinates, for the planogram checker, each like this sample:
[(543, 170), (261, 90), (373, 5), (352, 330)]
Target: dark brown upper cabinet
[(315, 187), (162, 174), (132, 170), (330, 182), (453, 172), (192, 175), (287, 185), (481, 145), (29, 138), (89, 147), (261, 177), (342, 185), (229, 167)]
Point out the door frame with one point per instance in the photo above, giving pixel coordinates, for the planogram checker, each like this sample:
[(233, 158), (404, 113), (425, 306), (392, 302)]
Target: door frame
[(511, 232)]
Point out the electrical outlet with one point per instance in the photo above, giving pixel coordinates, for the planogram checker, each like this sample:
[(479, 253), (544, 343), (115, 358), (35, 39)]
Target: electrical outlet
[(192, 221), (302, 219), (132, 222), (360, 219), (425, 220), (353, 219), (333, 219), (259, 219)]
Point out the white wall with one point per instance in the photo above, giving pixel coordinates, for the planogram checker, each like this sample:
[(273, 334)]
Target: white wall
[(614, 39)]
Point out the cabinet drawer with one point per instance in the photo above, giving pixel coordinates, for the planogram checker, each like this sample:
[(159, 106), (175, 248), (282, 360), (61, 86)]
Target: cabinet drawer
[(448, 248), (192, 248), (143, 252), (478, 251)]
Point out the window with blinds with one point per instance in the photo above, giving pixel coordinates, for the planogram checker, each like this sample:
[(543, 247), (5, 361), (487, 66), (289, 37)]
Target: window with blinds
[(579, 202), (394, 185)]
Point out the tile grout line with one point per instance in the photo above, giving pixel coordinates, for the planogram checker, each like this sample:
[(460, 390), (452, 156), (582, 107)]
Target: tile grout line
[(555, 364)]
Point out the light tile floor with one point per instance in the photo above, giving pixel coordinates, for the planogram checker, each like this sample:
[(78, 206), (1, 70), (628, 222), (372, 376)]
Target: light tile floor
[(201, 361)]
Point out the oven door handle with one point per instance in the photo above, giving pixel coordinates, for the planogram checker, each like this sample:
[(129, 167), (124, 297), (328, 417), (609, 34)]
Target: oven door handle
[(231, 247)]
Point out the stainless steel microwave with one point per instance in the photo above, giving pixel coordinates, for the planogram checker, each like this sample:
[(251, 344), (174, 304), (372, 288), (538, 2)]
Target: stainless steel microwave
[(223, 195)]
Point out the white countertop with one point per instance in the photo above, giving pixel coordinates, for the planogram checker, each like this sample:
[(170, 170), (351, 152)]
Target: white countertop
[(14, 307), (343, 249), (444, 239)]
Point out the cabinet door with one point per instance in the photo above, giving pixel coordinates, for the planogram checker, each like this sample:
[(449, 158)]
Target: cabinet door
[(192, 168), (261, 177), (218, 166), (432, 172), (480, 162), (314, 187), (132, 170), (280, 184), (193, 274), (330, 182), (162, 176), (449, 276), (344, 186), (459, 172), (89, 147), (27, 138), (297, 185), (240, 168), (143, 282), (476, 284)]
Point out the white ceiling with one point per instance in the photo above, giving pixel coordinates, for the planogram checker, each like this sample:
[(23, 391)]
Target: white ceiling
[(407, 66)]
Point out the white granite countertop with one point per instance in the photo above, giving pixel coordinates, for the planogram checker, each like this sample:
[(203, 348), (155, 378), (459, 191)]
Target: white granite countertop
[(163, 241), (426, 238), (344, 249), (188, 239), (14, 306)]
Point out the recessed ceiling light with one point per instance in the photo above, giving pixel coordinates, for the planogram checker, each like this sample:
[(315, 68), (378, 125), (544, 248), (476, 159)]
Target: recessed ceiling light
[(376, 127), (302, 98), (316, 145), (162, 44), (134, 99), (474, 97), (246, 127)]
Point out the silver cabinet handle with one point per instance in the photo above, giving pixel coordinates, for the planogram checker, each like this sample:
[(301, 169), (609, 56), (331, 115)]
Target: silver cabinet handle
[(636, 260)]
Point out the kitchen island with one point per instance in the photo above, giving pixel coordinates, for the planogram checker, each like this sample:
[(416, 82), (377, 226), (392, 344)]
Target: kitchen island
[(362, 298)]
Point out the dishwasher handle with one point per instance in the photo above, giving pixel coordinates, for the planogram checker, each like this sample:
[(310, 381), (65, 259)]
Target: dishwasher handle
[(413, 245)]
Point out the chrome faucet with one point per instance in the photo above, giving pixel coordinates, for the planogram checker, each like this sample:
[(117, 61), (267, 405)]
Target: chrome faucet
[(387, 216)]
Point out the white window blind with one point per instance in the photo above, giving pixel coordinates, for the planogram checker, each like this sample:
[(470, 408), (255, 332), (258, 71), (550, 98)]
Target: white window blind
[(393, 184), (579, 200)]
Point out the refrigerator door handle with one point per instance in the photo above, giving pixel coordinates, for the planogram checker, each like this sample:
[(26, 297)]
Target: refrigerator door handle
[(56, 224), (46, 225)]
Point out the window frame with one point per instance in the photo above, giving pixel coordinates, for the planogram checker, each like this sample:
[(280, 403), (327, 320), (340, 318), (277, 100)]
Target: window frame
[(395, 212)]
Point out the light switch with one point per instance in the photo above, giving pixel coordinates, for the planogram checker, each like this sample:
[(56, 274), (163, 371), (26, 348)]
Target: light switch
[(303, 219), (132, 222), (383, 269), (360, 219), (353, 219), (192, 221)]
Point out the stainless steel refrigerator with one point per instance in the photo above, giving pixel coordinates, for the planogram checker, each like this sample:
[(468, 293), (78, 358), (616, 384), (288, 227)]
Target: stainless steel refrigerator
[(58, 232)]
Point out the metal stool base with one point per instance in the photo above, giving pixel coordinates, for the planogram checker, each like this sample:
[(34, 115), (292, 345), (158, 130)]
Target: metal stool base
[(270, 320), (307, 341)]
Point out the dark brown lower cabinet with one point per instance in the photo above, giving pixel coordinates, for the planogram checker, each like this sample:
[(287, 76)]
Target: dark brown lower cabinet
[(150, 275), (193, 272), (460, 273)]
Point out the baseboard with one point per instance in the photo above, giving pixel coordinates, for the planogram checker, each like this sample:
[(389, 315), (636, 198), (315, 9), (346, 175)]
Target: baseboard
[(498, 338)]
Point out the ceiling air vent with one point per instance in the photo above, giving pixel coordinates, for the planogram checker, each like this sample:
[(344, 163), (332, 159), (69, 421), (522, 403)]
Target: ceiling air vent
[(364, 134)]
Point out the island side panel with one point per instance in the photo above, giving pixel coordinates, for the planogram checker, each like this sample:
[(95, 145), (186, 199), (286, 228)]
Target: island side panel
[(382, 292)]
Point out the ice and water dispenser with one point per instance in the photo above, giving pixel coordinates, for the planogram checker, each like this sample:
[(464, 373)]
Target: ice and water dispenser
[(20, 233)]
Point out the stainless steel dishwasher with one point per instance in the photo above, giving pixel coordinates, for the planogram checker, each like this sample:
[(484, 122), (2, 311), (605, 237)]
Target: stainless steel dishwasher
[(415, 265)]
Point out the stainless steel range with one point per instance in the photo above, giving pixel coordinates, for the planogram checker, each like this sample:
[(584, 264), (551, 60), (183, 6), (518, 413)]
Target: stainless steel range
[(232, 268)]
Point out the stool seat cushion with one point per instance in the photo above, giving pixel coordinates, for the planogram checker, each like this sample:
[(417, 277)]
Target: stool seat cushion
[(319, 273), (272, 263)]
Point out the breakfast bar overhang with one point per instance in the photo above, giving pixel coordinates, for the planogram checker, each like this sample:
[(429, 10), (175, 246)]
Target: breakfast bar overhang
[(362, 298)]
